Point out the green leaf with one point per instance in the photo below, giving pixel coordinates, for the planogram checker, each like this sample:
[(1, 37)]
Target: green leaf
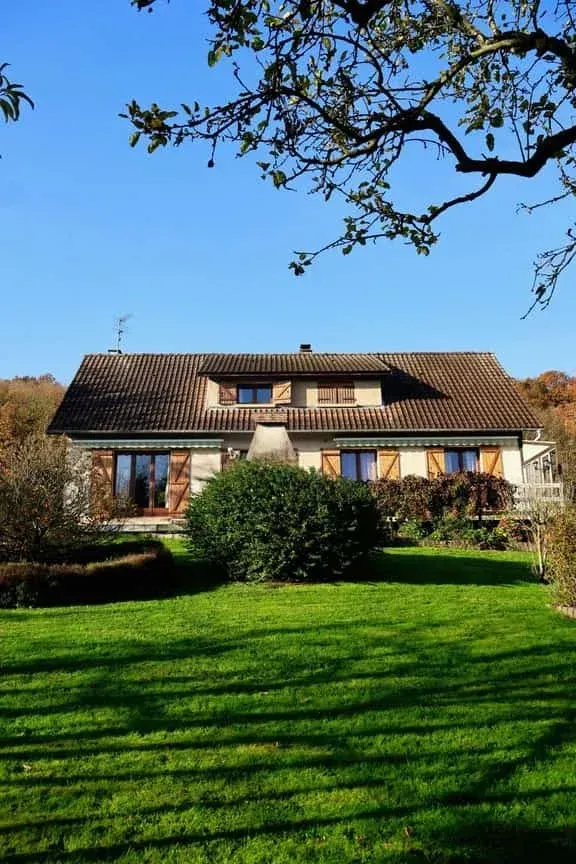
[(278, 178), (490, 141)]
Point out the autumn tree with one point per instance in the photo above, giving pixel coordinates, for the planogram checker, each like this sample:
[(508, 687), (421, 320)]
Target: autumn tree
[(27, 405), (333, 94), (553, 396)]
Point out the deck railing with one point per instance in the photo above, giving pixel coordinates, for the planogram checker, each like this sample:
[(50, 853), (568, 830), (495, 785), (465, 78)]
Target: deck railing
[(528, 494)]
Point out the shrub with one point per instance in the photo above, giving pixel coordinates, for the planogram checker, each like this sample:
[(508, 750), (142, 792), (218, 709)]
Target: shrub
[(562, 557), (413, 529), (465, 494), (515, 527), (460, 532), (46, 501), (418, 499), (265, 521), (144, 574)]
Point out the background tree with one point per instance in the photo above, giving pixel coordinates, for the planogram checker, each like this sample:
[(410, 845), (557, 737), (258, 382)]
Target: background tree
[(334, 93), (27, 405), (553, 395)]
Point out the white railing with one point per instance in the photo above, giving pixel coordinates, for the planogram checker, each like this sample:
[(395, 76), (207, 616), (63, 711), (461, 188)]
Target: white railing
[(526, 494)]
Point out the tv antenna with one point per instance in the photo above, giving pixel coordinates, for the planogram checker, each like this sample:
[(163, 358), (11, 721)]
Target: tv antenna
[(120, 322)]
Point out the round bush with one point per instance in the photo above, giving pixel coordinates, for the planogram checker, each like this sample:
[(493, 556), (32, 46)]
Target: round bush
[(263, 521)]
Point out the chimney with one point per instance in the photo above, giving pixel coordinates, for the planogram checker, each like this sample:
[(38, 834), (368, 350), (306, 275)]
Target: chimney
[(305, 348)]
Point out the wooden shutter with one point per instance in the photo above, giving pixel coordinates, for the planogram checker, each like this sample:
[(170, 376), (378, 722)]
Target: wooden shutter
[(389, 464), (228, 394), (435, 461), (102, 486), (331, 463), (179, 480), (336, 393), (491, 461), (282, 393)]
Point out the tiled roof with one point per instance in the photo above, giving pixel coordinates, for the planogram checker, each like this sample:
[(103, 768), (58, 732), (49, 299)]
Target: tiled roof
[(165, 393), (301, 364)]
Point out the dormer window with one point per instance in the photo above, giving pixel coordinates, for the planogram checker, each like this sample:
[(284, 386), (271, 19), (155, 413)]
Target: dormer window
[(254, 394), (336, 393)]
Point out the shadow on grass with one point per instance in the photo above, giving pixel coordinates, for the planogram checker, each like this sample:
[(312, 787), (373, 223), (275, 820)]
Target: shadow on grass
[(511, 709), (443, 569)]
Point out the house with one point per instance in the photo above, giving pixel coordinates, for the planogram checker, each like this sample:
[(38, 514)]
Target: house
[(156, 426)]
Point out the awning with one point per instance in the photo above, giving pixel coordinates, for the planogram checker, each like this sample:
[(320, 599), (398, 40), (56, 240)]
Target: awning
[(148, 444), (429, 441)]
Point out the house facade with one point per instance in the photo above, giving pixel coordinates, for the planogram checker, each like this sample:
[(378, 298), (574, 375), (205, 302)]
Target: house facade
[(155, 427)]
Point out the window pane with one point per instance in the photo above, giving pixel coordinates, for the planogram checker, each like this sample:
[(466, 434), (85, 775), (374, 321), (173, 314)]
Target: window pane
[(451, 461), (469, 461), (161, 462), (367, 465), (245, 394), (142, 480), (263, 394), (348, 465), (123, 468)]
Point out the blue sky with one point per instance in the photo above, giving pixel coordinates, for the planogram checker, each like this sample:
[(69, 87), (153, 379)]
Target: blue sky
[(90, 229)]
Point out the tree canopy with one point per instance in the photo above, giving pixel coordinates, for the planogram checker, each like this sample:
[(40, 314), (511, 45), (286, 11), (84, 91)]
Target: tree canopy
[(332, 94), (27, 405)]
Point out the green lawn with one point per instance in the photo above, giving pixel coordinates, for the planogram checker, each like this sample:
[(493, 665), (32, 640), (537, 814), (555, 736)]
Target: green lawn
[(427, 717)]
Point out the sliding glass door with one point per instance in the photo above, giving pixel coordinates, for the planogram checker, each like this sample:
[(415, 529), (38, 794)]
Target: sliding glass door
[(143, 478)]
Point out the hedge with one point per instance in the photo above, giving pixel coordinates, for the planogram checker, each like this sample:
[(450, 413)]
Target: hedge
[(139, 575)]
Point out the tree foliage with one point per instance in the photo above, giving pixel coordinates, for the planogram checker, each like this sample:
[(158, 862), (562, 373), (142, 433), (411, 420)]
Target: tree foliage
[(12, 96), (334, 93), (27, 405), (553, 395)]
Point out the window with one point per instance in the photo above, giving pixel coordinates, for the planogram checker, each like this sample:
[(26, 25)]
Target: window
[(254, 394), (358, 464), (336, 393), (460, 460), (143, 477)]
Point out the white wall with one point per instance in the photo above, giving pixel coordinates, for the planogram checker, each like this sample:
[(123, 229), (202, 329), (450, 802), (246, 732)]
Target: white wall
[(532, 449), (212, 393), (204, 462), (368, 393), (309, 449), (413, 461), (512, 464)]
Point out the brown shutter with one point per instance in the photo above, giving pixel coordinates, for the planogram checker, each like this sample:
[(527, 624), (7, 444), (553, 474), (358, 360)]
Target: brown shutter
[(228, 394), (436, 465), (389, 464), (179, 480), (326, 394), (102, 486), (491, 461), (347, 395), (282, 393), (331, 463), (336, 393)]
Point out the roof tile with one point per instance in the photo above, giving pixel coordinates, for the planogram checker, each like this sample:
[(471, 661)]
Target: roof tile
[(165, 393)]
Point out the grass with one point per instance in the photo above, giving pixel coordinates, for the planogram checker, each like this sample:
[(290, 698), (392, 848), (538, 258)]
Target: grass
[(428, 716)]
